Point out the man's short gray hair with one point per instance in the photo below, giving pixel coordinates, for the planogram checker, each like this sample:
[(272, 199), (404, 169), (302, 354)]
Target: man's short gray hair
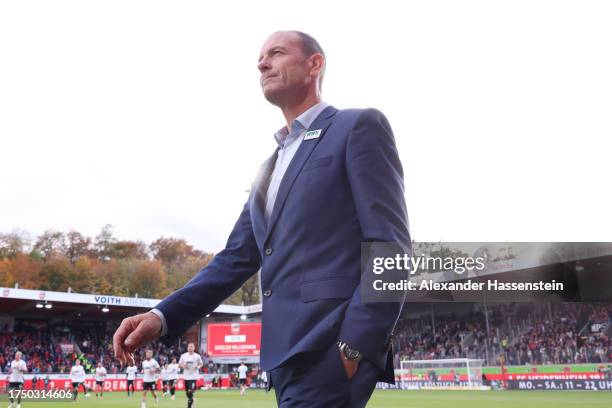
[(310, 46)]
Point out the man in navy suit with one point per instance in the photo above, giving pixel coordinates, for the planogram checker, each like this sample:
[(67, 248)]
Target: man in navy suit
[(334, 181)]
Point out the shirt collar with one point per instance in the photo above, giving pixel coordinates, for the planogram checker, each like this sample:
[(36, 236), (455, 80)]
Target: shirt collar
[(301, 123)]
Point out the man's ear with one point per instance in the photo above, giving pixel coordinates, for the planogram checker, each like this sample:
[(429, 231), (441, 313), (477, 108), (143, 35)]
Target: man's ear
[(317, 62)]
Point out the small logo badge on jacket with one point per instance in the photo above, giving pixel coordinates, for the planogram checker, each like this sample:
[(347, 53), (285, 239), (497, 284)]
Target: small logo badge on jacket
[(312, 134)]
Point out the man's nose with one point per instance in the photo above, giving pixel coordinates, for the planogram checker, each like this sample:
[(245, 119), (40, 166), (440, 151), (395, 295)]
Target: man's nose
[(263, 65)]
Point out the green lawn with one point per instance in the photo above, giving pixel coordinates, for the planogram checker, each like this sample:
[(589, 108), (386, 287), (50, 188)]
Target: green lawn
[(381, 399)]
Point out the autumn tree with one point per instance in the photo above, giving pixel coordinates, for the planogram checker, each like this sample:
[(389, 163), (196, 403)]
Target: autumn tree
[(103, 273), (104, 242), (170, 250), (129, 250), (54, 274), (77, 246), (149, 279), (106, 265), (6, 279), (25, 271), (248, 294), (180, 260), (13, 243), (50, 243), (81, 276), (179, 275), (120, 276)]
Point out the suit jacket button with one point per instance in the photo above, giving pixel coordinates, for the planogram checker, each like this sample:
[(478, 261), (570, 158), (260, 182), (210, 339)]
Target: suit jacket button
[(268, 251), (267, 293)]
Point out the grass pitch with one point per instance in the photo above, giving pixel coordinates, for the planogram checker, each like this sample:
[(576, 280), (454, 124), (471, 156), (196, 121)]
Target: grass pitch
[(381, 399)]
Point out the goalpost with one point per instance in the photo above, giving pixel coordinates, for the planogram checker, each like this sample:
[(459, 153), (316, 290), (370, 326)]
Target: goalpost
[(443, 374)]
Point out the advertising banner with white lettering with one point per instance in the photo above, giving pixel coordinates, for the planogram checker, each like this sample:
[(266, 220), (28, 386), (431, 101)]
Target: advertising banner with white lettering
[(560, 385), (67, 348), (112, 383), (234, 340)]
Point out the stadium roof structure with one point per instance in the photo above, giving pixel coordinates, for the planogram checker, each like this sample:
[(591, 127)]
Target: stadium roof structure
[(27, 301), (584, 268)]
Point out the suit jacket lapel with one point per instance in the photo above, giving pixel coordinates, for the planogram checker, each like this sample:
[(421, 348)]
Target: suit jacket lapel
[(258, 201), (323, 121)]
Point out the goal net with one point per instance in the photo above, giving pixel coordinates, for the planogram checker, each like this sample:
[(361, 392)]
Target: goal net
[(449, 374)]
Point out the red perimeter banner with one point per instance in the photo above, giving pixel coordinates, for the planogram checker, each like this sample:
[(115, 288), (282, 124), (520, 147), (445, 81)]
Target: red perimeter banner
[(112, 384), (234, 339)]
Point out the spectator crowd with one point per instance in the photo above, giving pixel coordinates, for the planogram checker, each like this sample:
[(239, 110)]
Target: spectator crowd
[(562, 333)]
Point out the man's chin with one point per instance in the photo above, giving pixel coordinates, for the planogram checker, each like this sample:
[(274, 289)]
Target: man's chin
[(274, 98)]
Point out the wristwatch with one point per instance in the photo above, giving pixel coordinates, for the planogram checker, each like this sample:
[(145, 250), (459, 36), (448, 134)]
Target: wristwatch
[(349, 353)]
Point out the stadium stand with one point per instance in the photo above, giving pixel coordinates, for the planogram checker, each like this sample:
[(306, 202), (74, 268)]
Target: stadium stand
[(525, 334), (563, 333)]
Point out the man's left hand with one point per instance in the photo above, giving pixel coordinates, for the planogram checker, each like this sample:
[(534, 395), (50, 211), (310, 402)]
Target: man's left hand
[(350, 366)]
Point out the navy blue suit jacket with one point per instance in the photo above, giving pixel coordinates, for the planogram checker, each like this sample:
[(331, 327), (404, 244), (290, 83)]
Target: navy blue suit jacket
[(341, 189)]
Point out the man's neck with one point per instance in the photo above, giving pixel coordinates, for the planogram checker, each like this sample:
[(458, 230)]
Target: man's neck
[(293, 111)]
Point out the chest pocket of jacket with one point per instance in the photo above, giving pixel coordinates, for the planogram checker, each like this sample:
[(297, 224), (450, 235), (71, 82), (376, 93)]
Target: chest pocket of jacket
[(320, 162), (328, 288)]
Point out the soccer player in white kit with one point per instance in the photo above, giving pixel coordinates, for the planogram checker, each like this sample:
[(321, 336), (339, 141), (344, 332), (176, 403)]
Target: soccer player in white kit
[(17, 369), (164, 377), (131, 371), (100, 377), (77, 377), (191, 363), (242, 377), (264, 379), (150, 369), (173, 369)]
